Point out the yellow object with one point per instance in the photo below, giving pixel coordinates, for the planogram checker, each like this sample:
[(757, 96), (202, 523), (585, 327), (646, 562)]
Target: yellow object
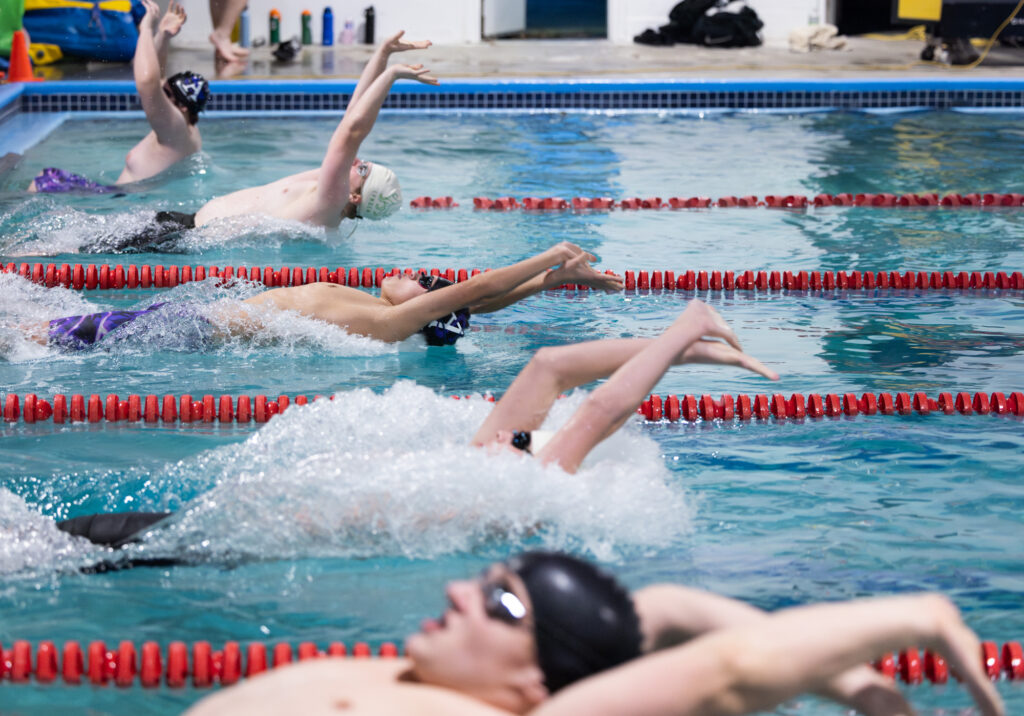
[(44, 54), (917, 32), (927, 10), (109, 5)]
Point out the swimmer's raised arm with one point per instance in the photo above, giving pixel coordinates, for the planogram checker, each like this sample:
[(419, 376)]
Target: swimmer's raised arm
[(671, 615), (161, 112), (635, 366), (333, 186), (403, 320), (379, 61), (756, 666), (576, 270), (170, 25)]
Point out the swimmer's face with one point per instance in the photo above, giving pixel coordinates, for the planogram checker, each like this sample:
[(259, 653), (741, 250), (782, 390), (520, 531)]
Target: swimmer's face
[(483, 643), (356, 178), (511, 440), (400, 288)]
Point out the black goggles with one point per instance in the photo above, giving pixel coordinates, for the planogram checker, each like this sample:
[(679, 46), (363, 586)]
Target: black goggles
[(432, 282), (521, 440), (502, 604)]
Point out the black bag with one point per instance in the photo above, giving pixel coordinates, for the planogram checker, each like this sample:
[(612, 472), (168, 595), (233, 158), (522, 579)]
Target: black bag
[(729, 29), (689, 22)]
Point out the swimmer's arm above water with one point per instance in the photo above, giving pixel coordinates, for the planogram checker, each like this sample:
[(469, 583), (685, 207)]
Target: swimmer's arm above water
[(756, 666), (163, 116), (333, 185), (557, 369), (576, 270), (671, 615), (403, 320), (379, 61), (611, 404), (170, 25)]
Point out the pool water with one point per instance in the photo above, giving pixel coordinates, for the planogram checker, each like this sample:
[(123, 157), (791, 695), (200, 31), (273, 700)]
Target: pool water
[(324, 525)]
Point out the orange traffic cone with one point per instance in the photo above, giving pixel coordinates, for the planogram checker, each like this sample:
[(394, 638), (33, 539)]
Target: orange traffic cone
[(21, 67)]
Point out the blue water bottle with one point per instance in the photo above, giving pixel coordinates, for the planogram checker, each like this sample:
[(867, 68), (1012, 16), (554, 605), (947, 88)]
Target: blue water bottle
[(243, 28), (328, 25)]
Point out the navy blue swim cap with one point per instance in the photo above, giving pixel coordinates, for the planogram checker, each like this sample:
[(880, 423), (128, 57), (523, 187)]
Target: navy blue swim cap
[(445, 331), (190, 89), (584, 619)]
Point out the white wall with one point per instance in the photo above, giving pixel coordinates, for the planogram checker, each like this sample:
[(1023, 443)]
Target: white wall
[(627, 18), (456, 22), (445, 22)]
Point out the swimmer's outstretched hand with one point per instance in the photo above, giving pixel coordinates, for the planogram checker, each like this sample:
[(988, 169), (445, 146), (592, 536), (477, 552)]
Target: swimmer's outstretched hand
[(397, 44), (579, 271), (718, 353), (961, 647), (414, 72), (701, 315), (173, 19), (152, 15)]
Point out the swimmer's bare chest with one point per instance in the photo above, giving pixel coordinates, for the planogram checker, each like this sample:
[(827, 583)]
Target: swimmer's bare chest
[(294, 197)]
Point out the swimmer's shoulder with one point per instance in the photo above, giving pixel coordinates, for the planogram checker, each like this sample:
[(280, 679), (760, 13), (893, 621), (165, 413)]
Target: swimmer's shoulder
[(343, 685)]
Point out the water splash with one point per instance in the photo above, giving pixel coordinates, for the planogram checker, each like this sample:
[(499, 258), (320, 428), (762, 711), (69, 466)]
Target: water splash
[(390, 474)]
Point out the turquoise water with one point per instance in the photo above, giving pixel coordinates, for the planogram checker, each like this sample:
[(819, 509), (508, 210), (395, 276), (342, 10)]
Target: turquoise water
[(323, 525)]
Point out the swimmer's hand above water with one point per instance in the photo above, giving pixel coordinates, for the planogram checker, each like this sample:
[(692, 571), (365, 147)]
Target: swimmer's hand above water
[(413, 72), (578, 270), (395, 43)]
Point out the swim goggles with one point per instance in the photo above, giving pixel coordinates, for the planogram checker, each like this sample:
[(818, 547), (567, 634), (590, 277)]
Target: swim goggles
[(432, 282), (521, 440), (501, 604)]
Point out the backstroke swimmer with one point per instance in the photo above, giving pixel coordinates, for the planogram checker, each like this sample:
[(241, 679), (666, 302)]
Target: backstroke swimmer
[(344, 186), (172, 108), (407, 305), (547, 634), (635, 366)]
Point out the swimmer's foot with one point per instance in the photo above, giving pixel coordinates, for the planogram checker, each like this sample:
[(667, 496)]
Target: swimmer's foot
[(226, 50)]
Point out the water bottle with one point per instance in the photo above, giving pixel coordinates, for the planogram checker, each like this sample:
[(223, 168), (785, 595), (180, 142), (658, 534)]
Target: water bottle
[(328, 25), (275, 27), (243, 31), (348, 35), (307, 28), (368, 26)]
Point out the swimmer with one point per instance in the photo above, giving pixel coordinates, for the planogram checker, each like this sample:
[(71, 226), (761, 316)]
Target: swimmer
[(547, 634), (407, 305), (343, 186), (172, 108), (635, 366)]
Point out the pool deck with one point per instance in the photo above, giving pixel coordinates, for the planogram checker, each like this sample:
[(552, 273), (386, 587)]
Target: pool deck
[(865, 58)]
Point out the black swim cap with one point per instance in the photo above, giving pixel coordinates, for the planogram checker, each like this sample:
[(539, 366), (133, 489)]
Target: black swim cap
[(190, 89), (445, 331), (584, 619)]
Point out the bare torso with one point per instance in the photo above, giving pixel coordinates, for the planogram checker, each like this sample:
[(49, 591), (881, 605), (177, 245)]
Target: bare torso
[(340, 686), (293, 197), (149, 157), (343, 306)]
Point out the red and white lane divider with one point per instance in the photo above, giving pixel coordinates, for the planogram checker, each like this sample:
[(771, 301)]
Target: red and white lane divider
[(245, 409), (770, 201), (817, 405), (152, 666), (107, 277)]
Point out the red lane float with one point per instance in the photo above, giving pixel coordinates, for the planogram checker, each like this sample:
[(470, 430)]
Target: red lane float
[(208, 668), (121, 666), (816, 405), (668, 280), (153, 408)]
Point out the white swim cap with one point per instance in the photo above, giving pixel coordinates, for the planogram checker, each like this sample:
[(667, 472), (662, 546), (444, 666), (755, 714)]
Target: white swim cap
[(382, 196), (540, 438)]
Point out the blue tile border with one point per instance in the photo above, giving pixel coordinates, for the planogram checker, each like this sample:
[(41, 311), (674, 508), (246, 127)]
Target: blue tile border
[(526, 95)]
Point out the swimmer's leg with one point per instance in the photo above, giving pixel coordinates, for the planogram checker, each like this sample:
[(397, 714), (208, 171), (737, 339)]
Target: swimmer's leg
[(114, 529)]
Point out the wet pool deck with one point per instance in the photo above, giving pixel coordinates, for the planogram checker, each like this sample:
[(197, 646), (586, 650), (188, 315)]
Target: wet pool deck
[(866, 58)]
